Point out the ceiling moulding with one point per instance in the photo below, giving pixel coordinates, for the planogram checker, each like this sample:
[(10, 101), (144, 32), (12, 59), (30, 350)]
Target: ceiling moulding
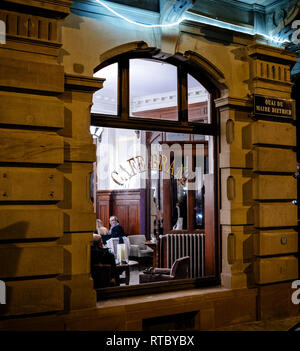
[(228, 3), (47, 8), (279, 3), (229, 11), (202, 18)]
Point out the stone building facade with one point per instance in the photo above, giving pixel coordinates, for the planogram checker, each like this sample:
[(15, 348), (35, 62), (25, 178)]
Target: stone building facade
[(46, 217)]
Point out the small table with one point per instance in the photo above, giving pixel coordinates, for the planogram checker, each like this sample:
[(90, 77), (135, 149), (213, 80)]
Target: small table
[(121, 267)]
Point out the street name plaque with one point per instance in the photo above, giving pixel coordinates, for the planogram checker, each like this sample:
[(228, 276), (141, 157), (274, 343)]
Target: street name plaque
[(273, 107)]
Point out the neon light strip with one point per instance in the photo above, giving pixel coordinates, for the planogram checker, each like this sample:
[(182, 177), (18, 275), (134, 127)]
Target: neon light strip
[(279, 41), (221, 24), (204, 19), (139, 23), (217, 23)]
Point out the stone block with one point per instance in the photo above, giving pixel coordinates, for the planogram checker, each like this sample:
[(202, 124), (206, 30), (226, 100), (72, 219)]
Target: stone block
[(31, 110), (267, 159), (104, 319), (275, 269), (283, 214), (27, 260), (30, 184), (77, 187), (273, 133), (79, 152), (79, 221), (31, 75), (77, 251), (237, 254), (33, 296), (240, 307), (36, 323), (31, 147), (30, 222), (275, 301), (236, 188), (237, 216), (77, 115), (275, 242), (274, 187), (234, 149), (79, 291)]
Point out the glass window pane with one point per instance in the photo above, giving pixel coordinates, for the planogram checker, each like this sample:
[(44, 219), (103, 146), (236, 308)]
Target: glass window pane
[(105, 100), (198, 102), (153, 89), (158, 189), (177, 137)]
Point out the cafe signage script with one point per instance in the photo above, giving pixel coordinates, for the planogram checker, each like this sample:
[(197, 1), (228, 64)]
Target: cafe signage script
[(273, 107)]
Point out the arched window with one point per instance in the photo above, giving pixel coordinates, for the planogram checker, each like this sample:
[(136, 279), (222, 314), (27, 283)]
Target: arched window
[(157, 167)]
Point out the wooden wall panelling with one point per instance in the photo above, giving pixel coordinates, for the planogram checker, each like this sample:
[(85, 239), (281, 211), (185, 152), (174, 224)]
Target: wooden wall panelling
[(103, 206), (143, 211), (126, 205)]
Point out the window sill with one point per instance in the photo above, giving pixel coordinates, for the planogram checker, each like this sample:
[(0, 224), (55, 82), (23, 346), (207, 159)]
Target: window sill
[(156, 288), (161, 297)]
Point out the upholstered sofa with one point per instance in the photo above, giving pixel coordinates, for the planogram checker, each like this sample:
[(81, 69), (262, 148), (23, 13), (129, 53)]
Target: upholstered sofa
[(138, 248)]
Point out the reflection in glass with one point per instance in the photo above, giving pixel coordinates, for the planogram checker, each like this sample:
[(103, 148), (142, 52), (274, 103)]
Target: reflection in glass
[(179, 204), (198, 102), (105, 100), (156, 183), (153, 89)]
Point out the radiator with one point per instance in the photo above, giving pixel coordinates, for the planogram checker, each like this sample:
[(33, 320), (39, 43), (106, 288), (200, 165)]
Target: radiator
[(180, 245)]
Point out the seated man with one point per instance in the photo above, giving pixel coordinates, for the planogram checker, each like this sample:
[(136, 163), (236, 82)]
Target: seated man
[(101, 255), (116, 230)]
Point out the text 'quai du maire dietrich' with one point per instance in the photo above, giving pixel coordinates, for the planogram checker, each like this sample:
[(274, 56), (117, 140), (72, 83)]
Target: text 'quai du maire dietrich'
[(273, 107)]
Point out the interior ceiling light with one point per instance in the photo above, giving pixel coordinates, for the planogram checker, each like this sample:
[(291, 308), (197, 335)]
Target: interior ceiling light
[(202, 19)]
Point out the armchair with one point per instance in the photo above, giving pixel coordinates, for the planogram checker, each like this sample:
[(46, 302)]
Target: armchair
[(179, 270), (138, 248)]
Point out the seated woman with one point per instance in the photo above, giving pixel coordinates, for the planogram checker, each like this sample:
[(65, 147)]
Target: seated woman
[(116, 230), (103, 231), (101, 255), (100, 228)]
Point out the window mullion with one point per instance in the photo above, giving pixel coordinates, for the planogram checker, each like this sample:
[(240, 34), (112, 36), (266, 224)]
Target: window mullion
[(123, 92), (182, 96)]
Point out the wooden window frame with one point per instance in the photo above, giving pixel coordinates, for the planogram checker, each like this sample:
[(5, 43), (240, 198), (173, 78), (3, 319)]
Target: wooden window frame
[(182, 125)]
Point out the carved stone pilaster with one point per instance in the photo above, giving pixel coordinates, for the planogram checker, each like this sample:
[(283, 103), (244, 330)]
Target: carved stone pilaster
[(31, 28)]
